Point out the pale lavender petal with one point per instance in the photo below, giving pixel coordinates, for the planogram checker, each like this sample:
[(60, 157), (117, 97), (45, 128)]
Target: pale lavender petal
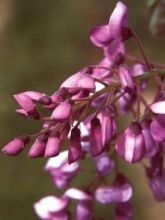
[(77, 194), (57, 162), (60, 164), (138, 69), (110, 195), (104, 164), (158, 107), (45, 207), (100, 36)]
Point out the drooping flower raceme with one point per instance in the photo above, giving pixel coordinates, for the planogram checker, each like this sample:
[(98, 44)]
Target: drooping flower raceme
[(85, 114)]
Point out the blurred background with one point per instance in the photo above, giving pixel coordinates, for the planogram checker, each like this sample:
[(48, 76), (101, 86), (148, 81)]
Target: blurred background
[(41, 43)]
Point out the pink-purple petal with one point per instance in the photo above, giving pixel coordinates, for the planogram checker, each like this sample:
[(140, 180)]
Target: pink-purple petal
[(112, 194), (100, 36)]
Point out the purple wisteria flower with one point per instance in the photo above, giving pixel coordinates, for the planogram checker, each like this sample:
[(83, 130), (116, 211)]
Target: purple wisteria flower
[(85, 123)]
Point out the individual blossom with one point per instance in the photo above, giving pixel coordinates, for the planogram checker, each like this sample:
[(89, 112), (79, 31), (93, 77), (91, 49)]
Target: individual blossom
[(53, 145), (103, 35), (52, 208), (126, 78), (62, 112), (96, 145), (61, 171), (84, 200), (38, 147), (104, 164), (119, 192), (131, 144)]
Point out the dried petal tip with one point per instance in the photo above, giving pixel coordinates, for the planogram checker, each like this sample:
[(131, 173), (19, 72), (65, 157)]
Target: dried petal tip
[(15, 146)]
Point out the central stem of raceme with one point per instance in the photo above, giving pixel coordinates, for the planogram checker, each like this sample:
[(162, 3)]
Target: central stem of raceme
[(115, 85), (108, 88)]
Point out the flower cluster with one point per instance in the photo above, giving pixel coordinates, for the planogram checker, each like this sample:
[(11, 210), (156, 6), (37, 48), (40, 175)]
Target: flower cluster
[(85, 111)]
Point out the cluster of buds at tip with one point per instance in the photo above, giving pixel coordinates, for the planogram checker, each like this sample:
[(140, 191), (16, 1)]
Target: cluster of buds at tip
[(85, 113)]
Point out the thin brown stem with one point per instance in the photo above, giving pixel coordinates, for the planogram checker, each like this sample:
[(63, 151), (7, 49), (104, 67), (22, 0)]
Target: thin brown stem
[(138, 42)]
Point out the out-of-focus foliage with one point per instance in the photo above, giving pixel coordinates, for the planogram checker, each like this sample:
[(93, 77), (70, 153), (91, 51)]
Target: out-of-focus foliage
[(157, 22)]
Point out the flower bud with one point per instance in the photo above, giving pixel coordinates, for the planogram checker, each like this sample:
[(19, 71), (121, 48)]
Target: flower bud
[(74, 146), (114, 194), (62, 112), (108, 125), (125, 77), (15, 146), (27, 105), (52, 145), (96, 146), (37, 149)]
